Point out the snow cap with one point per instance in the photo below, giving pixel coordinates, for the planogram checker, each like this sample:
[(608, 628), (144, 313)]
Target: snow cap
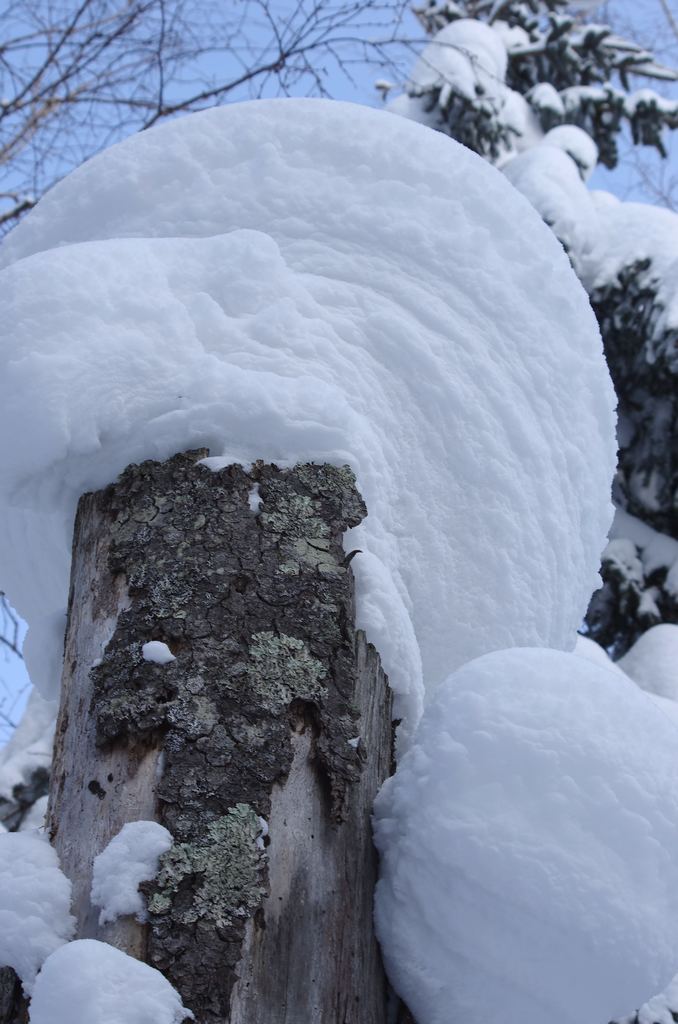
[(131, 857), (91, 981), (652, 662), (309, 280)]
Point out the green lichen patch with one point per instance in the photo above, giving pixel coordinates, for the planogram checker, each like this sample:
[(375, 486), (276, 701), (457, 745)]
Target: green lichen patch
[(282, 669), (336, 487), (316, 552), (294, 515), (224, 872), (289, 569)]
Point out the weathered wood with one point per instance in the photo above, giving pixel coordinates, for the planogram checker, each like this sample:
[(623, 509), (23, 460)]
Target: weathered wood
[(321, 879), (275, 711), (95, 788)]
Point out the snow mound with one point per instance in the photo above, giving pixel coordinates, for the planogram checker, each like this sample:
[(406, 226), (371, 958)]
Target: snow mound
[(158, 652), (89, 981), (131, 857), (528, 847), (35, 901), (652, 662), (578, 145), (307, 280), (591, 651)]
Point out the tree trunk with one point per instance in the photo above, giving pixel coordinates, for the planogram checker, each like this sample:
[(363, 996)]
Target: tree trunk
[(260, 748), (13, 1004)]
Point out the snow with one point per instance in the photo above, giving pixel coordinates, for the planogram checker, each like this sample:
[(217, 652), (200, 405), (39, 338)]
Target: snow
[(659, 1009), (657, 550), (263, 825), (467, 58), (158, 652), (513, 36), (306, 280), (35, 817), (30, 745), (577, 144), (593, 652), (35, 899), (626, 233), (602, 235), (652, 667), (254, 499), (545, 96), (652, 662), (551, 180), (467, 55), (131, 857), (90, 981), (528, 846)]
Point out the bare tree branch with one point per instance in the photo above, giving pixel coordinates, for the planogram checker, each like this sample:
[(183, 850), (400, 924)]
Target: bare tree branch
[(670, 17), (77, 76), (10, 627)]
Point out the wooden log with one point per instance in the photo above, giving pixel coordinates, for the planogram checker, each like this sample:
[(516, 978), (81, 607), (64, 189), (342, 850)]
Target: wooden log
[(261, 747)]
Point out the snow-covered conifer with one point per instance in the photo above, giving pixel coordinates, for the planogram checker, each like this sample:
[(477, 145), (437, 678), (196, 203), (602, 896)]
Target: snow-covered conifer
[(544, 95)]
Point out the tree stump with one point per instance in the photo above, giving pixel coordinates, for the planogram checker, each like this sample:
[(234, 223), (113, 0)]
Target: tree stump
[(261, 747)]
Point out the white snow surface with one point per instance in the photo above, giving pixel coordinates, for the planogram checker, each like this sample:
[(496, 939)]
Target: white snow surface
[(591, 651), (549, 177), (158, 652), (528, 846), (90, 982), (131, 857), (309, 280), (35, 900), (35, 816), (577, 143), (652, 662)]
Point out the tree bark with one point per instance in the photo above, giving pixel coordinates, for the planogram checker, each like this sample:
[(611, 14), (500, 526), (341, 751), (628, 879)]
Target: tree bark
[(261, 747), (13, 1003)]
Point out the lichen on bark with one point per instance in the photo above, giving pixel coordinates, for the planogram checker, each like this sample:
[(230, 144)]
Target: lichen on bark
[(224, 870), (257, 606), (281, 669)]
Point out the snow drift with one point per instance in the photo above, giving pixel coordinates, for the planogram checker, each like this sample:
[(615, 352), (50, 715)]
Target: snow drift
[(528, 843), (35, 901)]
